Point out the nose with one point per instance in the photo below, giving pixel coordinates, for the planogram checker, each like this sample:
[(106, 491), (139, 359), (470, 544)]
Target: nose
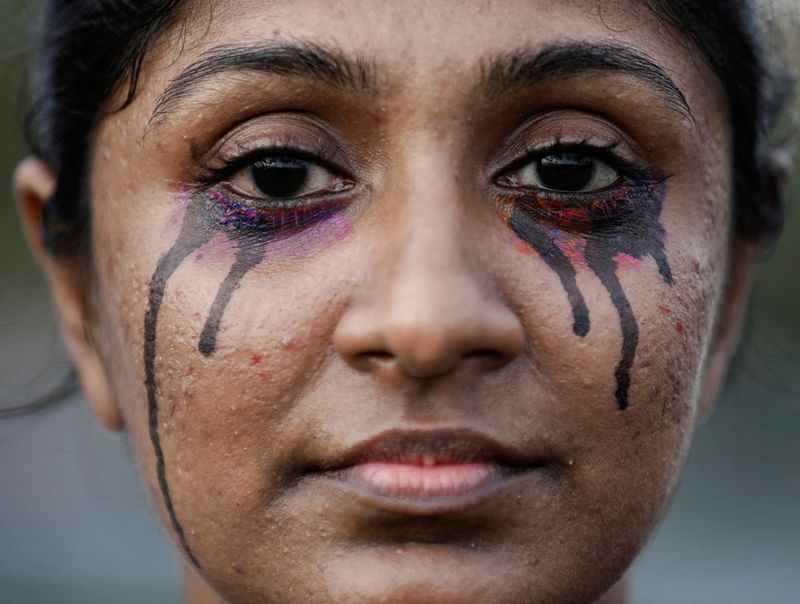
[(432, 306)]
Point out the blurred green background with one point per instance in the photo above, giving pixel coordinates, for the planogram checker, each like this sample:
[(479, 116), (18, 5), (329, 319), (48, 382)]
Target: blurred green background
[(76, 526)]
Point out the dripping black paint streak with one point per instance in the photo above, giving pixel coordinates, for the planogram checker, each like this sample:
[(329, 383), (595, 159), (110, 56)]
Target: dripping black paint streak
[(246, 259), (527, 227), (625, 221), (193, 234), (196, 231)]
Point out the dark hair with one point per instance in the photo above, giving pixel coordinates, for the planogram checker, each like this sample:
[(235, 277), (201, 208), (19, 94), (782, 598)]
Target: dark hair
[(91, 50)]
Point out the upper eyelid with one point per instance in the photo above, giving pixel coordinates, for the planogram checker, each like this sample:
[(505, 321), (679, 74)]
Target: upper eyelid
[(233, 165), (601, 153), (278, 129), (586, 145), (570, 126)]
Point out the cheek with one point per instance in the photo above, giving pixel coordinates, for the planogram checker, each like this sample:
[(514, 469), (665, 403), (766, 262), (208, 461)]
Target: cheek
[(626, 462), (219, 414)]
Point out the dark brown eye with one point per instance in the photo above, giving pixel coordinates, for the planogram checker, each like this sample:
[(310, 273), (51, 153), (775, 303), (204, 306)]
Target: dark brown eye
[(286, 177), (566, 173), (280, 176)]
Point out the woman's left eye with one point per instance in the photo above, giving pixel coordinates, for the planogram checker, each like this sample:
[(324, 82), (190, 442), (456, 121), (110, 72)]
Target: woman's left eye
[(285, 177), (564, 173)]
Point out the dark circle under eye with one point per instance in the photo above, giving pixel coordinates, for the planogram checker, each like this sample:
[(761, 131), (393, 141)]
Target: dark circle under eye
[(566, 171), (280, 176)]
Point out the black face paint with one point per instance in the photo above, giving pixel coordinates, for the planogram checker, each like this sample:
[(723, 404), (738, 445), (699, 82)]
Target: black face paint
[(250, 229), (531, 231), (623, 221), (246, 259), (193, 234)]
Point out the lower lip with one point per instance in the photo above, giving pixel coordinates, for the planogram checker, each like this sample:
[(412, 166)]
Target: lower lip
[(423, 483)]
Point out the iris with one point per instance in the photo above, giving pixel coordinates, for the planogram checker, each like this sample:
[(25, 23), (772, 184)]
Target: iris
[(280, 176)]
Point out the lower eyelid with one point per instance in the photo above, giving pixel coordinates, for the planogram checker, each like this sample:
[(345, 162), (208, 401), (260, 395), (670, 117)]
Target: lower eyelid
[(231, 214)]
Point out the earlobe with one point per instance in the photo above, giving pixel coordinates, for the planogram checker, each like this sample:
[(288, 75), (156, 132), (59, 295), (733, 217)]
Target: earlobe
[(730, 321), (34, 184)]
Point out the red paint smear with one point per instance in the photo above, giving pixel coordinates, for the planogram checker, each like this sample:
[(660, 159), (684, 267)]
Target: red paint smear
[(524, 248), (218, 249), (572, 248), (626, 260), (570, 214), (665, 309), (679, 326)]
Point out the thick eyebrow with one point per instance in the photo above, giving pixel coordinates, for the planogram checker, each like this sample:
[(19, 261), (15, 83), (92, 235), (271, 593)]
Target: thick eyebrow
[(528, 67), (288, 59)]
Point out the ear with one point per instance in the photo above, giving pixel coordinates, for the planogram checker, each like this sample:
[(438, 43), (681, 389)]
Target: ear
[(34, 185), (730, 319)]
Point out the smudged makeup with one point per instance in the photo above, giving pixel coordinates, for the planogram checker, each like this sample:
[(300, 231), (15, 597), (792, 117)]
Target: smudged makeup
[(254, 201), (579, 205)]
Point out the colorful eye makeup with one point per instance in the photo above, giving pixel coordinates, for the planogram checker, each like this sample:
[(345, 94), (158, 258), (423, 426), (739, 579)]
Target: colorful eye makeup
[(570, 225), (273, 191), (253, 202)]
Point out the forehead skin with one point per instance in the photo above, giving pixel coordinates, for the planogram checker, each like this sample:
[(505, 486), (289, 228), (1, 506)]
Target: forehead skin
[(425, 142)]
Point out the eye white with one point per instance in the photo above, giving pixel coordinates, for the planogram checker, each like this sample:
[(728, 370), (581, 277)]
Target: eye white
[(602, 176), (317, 179)]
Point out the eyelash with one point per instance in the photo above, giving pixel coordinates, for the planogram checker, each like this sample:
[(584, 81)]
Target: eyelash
[(603, 153), (235, 211)]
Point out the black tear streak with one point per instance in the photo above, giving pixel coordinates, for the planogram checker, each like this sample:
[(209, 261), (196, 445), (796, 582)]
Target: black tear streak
[(604, 268), (247, 257), (528, 229), (634, 230), (197, 229), (192, 236)]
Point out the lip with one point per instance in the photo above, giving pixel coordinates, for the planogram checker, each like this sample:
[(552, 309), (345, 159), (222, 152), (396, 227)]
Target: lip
[(426, 471)]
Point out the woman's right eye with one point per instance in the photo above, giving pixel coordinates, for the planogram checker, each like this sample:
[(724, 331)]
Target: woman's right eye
[(285, 177)]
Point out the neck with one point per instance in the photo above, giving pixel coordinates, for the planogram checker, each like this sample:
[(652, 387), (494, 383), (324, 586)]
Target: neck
[(197, 591)]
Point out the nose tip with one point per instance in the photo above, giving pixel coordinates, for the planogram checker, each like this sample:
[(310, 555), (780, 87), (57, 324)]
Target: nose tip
[(437, 352)]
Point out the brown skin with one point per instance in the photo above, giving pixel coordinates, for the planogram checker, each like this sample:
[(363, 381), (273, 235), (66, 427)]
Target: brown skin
[(425, 312)]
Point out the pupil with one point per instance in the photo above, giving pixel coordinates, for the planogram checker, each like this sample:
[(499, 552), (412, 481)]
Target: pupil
[(280, 176), (566, 171)]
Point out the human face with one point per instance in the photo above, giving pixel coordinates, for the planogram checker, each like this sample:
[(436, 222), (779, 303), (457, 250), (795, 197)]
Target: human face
[(411, 301)]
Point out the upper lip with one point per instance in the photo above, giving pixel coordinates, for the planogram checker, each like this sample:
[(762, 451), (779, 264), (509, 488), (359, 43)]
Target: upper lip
[(442, 446)]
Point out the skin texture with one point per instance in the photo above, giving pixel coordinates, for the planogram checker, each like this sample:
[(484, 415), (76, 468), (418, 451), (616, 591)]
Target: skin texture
[(423, 293)]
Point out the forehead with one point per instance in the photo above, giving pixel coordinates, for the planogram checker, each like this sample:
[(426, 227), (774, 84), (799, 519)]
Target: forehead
[(446, 41), (428, 31)]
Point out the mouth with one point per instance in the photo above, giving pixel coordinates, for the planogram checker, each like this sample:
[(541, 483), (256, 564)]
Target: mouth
[(426, 472)]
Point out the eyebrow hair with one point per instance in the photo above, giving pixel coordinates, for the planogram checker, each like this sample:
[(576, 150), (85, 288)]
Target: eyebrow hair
[(525, 67), (301, 59), (506, 73)]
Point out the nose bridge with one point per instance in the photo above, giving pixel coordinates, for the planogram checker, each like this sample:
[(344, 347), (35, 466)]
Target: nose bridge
[(429, 274), (431, 304)]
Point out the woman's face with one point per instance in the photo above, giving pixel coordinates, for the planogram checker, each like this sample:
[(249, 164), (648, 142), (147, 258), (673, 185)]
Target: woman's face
[(412, 301)]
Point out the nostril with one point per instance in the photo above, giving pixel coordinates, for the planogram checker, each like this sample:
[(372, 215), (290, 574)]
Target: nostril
[(372, 358), (487, 359), (479, 354), (376, 355)]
